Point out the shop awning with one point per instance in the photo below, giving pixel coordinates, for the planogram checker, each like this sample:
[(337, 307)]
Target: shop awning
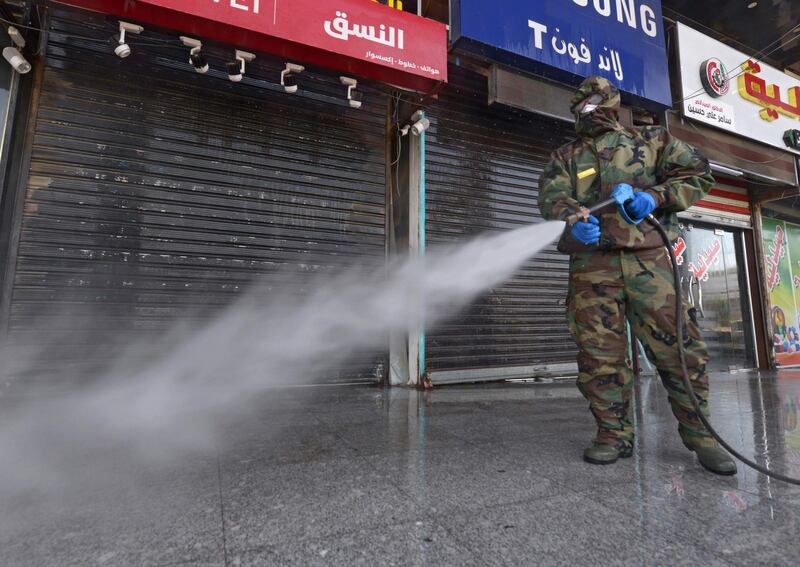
[(763, 165), (354, 37)]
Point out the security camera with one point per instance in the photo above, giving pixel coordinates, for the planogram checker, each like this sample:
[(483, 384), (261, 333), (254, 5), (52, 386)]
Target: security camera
[(236, 68), (123, 49), (355, 99), (288, 79), (353, 96), (235, 71), (420, 126), (199, 62), (197, 58), (20, 64)]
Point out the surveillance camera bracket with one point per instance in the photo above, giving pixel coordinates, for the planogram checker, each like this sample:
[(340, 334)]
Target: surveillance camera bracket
[(290, 68), (417, 116), (128, 27), (191, 42), (244, 57)]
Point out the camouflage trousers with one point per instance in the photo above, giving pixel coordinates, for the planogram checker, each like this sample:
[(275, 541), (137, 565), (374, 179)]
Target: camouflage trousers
[(606, 288)]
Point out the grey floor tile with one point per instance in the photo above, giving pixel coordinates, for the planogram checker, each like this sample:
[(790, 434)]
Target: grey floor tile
[(283, 444), (420, 543), (657, 550), (461, 477), (561, 461), (270, 505), (144, 518), (561, 530), (395, 437)]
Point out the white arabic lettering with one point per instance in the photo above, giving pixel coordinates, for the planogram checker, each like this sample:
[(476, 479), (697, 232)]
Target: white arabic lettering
[(610, 62), (578, 55), (560, 50), (340, 28), (616, 62)]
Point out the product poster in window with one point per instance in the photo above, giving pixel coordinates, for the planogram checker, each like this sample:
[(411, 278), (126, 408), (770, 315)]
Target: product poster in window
[(782, 272)]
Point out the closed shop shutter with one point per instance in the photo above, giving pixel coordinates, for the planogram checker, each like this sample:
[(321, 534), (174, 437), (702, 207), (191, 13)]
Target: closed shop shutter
[(483, 166), (157, 194), (727, 203)]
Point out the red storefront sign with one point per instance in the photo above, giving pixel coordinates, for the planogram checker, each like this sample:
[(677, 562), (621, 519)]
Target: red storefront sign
[(357, 37)]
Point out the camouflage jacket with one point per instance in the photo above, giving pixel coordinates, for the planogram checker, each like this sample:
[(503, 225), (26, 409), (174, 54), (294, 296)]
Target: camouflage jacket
[(584, 172)]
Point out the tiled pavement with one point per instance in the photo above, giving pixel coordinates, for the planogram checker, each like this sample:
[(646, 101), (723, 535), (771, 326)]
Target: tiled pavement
[(468, 475)]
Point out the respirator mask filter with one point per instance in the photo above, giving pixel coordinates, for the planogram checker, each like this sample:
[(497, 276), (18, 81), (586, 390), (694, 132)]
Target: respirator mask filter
[(589, 104)]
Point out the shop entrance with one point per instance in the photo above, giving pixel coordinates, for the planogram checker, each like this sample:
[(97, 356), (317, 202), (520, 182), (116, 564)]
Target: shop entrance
[(714, 279)]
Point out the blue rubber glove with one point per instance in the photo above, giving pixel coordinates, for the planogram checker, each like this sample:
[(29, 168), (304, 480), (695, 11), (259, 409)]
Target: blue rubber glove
[(642, 205), (587, 233), (633, 207)]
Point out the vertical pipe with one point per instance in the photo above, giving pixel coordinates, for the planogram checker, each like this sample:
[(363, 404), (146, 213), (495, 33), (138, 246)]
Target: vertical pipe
[(422, 246), (416, 244)]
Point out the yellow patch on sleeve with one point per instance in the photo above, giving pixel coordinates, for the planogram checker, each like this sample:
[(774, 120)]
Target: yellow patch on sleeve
[(586, 173)]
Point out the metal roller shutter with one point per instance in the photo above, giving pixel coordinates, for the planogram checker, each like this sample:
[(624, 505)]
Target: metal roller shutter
[(727, 202), (482, 174), (157, 194)]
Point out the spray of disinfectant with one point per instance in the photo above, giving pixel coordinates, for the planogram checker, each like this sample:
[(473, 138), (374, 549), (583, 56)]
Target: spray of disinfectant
[(173, 404)]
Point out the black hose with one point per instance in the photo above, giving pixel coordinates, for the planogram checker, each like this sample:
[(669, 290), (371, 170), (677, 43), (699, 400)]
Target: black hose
[(687, 382)]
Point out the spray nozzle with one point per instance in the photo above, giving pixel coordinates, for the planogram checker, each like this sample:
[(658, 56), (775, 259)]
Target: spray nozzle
[(584, 212)]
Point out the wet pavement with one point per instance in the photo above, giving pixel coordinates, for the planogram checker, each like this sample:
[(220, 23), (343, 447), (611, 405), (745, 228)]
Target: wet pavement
[(466, 475)]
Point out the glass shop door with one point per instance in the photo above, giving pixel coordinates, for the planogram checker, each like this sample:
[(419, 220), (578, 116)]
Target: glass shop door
[(715, 283)]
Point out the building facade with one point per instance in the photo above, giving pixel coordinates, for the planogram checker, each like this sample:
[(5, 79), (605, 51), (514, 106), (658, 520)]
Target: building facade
[(143, 190)]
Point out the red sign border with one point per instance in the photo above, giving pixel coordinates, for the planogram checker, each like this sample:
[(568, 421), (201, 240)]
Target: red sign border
[(202, 28)]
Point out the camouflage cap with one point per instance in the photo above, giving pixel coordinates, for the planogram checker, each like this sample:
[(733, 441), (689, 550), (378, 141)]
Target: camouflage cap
[(596, 85)]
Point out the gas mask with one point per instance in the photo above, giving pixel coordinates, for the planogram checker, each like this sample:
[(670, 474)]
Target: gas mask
[(589, 104)]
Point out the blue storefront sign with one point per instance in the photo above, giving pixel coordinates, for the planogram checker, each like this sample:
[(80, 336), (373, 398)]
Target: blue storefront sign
[(567, 40)]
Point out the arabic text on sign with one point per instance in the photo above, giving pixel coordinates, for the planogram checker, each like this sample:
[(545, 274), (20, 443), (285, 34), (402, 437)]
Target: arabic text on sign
[(755, 89), (705, 260), (679, 249), (340, 28), (777, 251), (578, 54)]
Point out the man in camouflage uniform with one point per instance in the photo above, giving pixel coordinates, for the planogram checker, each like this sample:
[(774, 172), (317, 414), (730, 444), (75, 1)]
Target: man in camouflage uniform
[(621, 271)]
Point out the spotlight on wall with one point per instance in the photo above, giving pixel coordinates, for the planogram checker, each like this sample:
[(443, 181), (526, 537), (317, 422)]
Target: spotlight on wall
[(16, 37), (197, 58), (123, 49), (353, 96), (237, 68), (419, 123), (288, 77), (20, 64)]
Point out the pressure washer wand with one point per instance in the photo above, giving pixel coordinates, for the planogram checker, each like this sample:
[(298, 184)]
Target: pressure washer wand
[(583, 213)]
